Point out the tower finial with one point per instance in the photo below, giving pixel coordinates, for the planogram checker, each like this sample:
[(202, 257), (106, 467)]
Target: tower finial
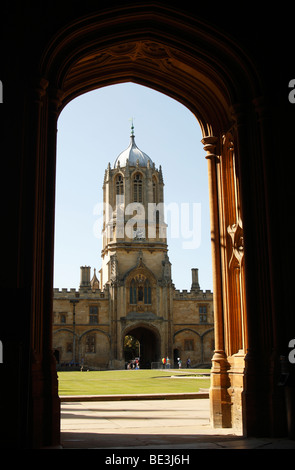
[(132, 127)]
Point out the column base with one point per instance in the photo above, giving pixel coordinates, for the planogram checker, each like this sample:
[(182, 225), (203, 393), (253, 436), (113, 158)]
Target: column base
[(220, 405), (226, 391)]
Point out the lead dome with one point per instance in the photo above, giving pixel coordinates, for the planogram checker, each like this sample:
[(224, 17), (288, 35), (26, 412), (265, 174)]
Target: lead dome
[(132, 155)]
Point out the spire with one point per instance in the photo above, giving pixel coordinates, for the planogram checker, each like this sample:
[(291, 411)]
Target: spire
[(132, 127), (94, 281)]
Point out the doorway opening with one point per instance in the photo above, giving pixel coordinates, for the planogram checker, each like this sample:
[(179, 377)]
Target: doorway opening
[(145, 347), (208, 74), (131, 351)]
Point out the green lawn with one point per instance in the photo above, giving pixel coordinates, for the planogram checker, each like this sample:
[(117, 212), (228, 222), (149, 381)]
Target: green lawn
[(129, 382)]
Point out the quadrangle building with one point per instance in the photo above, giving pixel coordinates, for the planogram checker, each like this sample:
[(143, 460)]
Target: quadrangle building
[(133, 293)]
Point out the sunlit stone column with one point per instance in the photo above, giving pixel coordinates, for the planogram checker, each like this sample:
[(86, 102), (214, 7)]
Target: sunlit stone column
[(219, 397)]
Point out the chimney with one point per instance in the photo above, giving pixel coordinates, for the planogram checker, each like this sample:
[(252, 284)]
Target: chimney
[(195, 279), (85, 277)]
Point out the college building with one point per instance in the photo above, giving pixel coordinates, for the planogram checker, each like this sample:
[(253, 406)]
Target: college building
[(133, 293)]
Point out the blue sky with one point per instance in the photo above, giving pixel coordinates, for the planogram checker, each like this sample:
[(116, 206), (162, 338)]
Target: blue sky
[(92, 130)]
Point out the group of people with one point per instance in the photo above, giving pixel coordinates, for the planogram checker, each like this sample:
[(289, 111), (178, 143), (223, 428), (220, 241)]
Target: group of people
[(134, 364), (166, 363)]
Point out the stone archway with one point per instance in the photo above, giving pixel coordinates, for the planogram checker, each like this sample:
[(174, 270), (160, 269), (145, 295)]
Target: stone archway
[(204, 69), (150, 343), (142, 52), (186, 75)]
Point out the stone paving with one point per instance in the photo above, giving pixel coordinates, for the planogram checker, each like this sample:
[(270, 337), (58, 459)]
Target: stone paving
[(150, 424)]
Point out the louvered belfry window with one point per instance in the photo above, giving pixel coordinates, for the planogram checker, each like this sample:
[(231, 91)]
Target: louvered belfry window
[(137, 188)]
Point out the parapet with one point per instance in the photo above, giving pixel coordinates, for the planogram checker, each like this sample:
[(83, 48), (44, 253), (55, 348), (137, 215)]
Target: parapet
[(89, 293), (193, 294)]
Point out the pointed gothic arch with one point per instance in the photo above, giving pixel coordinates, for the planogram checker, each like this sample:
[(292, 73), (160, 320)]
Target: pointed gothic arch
[(149, 338), (137, 187), (152, 59), (208, 72), (140, 269), (140, 290), (119, 185)]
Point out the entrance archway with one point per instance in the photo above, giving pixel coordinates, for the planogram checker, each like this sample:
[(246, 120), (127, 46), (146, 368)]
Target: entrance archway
[(150, 344), (205, 70), (143, 52)]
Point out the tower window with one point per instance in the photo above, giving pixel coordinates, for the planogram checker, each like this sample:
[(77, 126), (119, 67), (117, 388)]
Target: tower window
[(137, 188), (133, 297), (147, 293), (140, 291), (119, 187)]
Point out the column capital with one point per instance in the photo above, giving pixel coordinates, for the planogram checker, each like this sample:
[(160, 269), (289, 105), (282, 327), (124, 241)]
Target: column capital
[(55, 99), (210, 143), (41, 86)]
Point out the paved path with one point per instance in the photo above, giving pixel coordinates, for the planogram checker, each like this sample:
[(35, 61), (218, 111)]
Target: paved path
[(150, 424)]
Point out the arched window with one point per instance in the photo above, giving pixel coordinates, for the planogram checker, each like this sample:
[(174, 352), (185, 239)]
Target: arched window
[(140, 291), (119, 186), (137, 188)]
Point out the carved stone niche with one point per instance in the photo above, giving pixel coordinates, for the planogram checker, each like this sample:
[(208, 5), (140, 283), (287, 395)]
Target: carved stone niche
[(236, 234)]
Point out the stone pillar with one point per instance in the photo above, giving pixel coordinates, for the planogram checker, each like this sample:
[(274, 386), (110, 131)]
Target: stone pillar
[(219, 397), (43, 414)]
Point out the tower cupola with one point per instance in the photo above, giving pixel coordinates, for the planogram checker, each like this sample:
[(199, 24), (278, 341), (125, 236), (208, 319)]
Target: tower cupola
[(133, 155)]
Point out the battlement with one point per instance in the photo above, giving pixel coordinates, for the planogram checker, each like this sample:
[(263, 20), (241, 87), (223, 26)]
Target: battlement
[(193, 294), (84, 293)]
